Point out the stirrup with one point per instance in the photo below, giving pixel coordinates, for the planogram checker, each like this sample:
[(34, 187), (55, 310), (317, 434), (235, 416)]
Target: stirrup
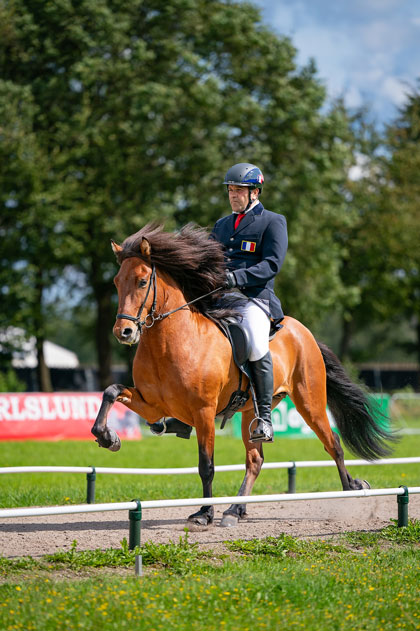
[(263, 433), (154, 431)]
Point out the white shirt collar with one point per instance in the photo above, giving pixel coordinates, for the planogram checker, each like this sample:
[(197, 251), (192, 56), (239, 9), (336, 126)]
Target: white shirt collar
[(254, 203)]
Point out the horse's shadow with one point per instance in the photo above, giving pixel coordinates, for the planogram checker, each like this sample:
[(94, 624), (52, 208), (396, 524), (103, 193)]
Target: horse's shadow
[(122, 525)]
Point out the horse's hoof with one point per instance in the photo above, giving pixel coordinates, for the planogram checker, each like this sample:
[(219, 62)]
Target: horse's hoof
[(115, 441), (362, 484), (229, 521), (201, 519)]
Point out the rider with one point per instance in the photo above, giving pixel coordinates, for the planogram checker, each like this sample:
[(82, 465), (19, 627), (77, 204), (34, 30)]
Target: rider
[(255, 244)]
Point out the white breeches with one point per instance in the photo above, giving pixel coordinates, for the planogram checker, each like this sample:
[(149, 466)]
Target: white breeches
[(257, 324)]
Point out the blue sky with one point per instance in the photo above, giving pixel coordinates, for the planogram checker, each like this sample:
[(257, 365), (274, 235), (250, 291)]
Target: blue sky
[(367, 51)]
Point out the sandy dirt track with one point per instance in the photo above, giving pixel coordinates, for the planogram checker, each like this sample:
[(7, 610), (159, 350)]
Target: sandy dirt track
[(36, 536)]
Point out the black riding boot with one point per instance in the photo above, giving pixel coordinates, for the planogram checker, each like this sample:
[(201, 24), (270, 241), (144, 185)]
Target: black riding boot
[(262, 377), (171, 426)]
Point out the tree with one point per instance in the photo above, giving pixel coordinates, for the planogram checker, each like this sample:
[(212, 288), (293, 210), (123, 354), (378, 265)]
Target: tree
[(379, 247), (138, 110), (401, 200)]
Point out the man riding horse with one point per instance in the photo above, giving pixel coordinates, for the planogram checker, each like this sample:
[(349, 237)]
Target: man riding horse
[(255, 245)]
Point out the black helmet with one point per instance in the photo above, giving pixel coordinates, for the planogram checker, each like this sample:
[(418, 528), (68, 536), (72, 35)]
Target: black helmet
[(245, 174)]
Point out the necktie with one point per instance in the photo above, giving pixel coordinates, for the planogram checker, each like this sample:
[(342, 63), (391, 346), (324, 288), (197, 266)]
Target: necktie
[(239, 219)]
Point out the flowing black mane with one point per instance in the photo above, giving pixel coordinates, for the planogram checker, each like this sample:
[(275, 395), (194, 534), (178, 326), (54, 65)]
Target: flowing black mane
[(194, 261)]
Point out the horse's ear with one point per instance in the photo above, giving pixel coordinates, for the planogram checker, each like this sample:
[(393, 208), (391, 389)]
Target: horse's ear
[(115, 247), (145, 248)]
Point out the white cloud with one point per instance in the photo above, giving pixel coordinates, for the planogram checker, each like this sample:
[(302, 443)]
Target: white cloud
[(365, 50), (395, 90)]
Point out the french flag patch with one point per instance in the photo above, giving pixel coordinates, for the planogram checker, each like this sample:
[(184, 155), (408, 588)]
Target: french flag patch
[(248, 246)]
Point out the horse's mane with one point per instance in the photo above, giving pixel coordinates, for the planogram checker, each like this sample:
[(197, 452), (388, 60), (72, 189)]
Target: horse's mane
[(190, 257)]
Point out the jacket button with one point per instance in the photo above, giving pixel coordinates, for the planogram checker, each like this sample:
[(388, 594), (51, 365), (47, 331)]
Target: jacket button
[(231, 239), (230, 249), (229, 259)]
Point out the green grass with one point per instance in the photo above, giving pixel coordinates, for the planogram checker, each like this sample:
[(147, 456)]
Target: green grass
[(61, 488), (366, 581), (276, 583)]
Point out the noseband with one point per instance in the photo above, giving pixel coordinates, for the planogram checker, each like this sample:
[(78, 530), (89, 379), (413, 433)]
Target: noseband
[(152, 316)]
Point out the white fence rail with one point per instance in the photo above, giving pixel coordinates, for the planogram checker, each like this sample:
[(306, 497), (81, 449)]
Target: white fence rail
[(291, 466), (135, 507)]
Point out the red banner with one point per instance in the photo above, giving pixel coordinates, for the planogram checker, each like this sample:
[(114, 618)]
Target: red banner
[(60, 416)]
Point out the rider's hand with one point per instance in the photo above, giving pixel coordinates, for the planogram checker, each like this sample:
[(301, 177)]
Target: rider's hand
[(230, 280)]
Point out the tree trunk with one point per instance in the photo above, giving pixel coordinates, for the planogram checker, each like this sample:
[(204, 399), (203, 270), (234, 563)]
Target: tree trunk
[(418, 352), (105, 315), (42, 370), (417, 326), (346, 335), (104, 323)]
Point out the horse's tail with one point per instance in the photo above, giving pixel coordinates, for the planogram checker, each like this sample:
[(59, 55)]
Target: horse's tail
[(358, 419)]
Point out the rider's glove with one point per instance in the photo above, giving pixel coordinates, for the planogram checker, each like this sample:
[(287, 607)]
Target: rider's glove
[(230, 280)]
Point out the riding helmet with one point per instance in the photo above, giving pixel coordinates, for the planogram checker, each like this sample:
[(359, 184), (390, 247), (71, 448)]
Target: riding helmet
[(245, 174)]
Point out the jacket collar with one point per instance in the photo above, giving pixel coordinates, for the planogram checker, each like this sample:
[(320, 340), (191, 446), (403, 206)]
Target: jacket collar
[(250, 217)]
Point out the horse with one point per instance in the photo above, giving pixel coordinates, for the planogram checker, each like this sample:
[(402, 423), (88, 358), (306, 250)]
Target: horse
[(169, 286)]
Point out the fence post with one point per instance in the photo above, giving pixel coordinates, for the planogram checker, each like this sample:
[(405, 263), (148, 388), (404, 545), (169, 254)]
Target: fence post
[(134, 516), (291, 478), (90, 493), (403, 507)]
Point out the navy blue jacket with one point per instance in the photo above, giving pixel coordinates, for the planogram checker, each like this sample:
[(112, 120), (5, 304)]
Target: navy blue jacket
[(255, 252)]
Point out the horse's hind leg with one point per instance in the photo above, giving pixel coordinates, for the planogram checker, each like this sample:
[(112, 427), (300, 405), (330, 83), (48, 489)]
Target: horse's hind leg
[(316, 417), (253, 463)]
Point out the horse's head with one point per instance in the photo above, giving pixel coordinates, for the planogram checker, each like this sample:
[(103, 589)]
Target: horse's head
[(135, 284)]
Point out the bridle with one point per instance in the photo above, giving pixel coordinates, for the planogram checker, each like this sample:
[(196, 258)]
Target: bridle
[(152, 316)]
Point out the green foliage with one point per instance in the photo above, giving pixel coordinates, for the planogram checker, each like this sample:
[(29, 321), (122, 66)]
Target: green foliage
[(322, 586), (282, 546), (180, 557), (393, 533), (9, 382), (380, 249), (116, 114)]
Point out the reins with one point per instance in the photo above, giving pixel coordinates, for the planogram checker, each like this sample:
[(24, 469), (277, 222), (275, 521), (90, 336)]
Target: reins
[(152, 317)]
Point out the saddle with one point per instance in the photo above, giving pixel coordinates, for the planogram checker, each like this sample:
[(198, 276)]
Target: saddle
[(241, 348)]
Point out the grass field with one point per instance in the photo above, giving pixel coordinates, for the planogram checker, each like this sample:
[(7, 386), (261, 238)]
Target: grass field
[(169, 451), (363, 581), (366, 581)]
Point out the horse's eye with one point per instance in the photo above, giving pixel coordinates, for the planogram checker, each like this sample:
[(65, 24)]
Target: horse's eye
[(142, 283)]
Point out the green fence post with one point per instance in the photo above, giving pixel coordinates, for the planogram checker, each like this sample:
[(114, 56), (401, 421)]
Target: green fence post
[(403, 507), (291, 478), (90, 493), (135, 523)]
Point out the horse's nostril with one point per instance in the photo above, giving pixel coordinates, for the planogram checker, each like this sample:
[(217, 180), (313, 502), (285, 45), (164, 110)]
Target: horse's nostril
[(127, 332)]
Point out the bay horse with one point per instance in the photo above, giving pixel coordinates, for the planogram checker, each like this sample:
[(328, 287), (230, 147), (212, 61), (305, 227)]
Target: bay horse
[(183, 366)]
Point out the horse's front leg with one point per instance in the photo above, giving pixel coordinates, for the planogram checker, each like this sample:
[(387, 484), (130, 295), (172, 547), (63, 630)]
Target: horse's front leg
[(205, 437), (107, 437), (253, 463)]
